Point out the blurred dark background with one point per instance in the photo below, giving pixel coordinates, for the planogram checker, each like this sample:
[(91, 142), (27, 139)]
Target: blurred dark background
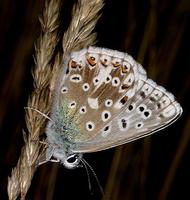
[(157, 34)]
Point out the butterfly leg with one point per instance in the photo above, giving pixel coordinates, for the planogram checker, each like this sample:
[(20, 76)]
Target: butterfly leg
[(46, 156)]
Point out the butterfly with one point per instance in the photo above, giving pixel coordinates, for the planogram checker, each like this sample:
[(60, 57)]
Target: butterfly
[(103, 99)]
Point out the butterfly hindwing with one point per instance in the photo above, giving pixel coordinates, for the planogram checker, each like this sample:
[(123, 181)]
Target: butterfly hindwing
[(146, 113)]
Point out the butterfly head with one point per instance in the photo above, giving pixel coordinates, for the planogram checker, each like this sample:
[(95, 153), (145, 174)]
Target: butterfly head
[(68, 159), (72, 161)]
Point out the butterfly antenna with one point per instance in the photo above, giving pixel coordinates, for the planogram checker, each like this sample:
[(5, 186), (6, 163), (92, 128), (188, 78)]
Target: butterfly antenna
[(41, 113), (86, 164), (88, 176)]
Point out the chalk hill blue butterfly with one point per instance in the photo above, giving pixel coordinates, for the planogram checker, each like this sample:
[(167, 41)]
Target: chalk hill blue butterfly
[(103, 99)]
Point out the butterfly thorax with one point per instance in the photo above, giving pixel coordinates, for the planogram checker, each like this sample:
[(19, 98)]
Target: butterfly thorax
[(61, 136), (63, 125), (68, 159)]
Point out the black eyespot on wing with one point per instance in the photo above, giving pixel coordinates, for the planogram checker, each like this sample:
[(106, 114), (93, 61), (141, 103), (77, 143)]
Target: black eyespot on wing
[(108, 79), (76, 78), (141, 108), (130, 107), (124, 123), (139, 125), (115, 81), (106, 115), (89, 126), (146, 114), (142, 94), (106, 128)]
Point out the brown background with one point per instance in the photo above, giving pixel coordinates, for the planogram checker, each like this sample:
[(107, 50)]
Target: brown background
[(157, 34)]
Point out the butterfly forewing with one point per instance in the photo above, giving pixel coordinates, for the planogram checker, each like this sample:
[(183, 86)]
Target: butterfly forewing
[(107, 100), (97, 87)]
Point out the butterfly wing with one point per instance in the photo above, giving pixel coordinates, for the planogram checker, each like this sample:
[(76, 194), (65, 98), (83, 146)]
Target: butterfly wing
[(107, 100)]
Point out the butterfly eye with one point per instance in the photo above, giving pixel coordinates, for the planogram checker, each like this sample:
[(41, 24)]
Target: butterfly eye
[(72, 161), (116, 62)]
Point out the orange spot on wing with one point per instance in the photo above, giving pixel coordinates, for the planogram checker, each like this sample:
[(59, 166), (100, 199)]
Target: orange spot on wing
[(104, 62), (124, 100), (91, 60), (125, 68), (116, 64), (73, 64), (124, 87)]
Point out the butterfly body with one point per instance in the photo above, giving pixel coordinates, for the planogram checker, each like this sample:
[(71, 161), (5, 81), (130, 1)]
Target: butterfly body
[(103, 99), (60, 135)]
